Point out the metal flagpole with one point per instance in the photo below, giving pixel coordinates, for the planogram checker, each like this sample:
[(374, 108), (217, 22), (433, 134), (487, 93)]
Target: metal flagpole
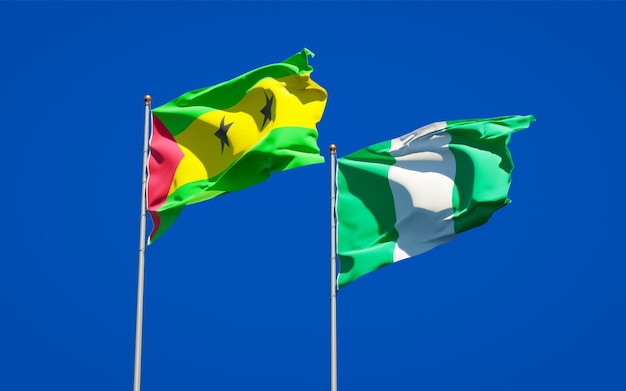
[(333, 273), (142, 248)]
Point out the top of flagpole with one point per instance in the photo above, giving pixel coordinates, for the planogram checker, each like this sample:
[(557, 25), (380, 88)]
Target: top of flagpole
[(147, 99), (333, 148)]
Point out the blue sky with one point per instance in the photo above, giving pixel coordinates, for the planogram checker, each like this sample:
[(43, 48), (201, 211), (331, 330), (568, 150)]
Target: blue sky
[(237, 291)]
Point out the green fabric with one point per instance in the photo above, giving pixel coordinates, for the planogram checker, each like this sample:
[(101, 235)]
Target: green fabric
[(484, 167), (367, 212)]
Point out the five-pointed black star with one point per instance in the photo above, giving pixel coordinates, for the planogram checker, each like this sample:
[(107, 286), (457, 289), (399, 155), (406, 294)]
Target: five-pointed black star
[(267, 110), (221, 133)]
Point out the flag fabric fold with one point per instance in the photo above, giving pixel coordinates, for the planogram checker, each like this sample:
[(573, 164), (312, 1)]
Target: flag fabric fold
[(402, 197), (232, 135)]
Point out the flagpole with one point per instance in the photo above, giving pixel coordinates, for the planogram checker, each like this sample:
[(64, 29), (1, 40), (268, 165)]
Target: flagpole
[(333, 273), (142, 248)]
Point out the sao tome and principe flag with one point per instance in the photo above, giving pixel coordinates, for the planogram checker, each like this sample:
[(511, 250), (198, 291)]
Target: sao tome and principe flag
[(402, 197), (230, 136)]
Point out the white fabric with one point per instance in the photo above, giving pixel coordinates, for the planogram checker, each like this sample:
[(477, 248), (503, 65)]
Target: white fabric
[(422, 182)]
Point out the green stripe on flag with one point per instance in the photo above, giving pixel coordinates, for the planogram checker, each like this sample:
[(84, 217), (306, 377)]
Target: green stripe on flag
[(283, 149), (165, 220), (367, 211), (484, 167)]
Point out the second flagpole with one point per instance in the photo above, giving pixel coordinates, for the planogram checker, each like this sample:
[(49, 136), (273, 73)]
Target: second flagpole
[(333, 272)]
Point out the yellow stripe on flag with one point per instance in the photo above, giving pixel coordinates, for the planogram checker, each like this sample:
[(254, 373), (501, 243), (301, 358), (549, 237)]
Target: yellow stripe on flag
[(297, 101)]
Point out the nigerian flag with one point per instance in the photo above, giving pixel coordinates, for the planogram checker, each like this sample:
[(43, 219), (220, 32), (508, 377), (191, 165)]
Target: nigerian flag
[(402, 197), (232, 135)]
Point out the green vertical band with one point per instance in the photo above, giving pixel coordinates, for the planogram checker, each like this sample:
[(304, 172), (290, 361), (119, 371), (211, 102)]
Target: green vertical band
[(365, 208), (483, 167)]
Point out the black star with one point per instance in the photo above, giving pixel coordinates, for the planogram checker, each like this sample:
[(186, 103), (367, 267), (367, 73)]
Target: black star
[(221, 133), (267, 110)]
